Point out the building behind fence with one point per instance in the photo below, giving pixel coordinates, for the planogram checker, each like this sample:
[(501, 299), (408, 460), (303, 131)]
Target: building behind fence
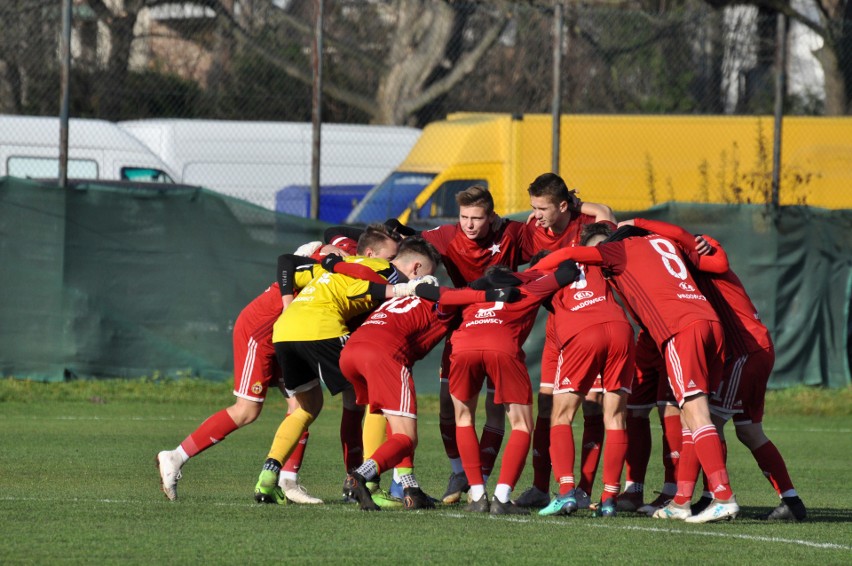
[(411, 62)]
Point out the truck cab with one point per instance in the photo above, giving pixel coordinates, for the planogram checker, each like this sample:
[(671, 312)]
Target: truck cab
[(503, 153)]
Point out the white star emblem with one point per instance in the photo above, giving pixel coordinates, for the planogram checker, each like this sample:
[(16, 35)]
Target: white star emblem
[(494, 249)]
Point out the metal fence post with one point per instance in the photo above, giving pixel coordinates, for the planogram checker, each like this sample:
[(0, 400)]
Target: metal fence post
[(64, 92), (316, 114), (558, 14), (780, 89)]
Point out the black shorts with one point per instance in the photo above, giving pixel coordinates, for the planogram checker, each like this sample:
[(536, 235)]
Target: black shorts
[(305, 364)]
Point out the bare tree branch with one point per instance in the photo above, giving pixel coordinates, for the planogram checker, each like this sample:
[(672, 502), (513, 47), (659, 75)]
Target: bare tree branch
[(462, 68)]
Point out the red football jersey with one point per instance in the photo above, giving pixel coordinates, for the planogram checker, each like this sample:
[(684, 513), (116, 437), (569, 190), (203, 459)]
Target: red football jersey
[(408, 326), (466, 259), (538, 238), (586, 302), (652, 277), (503, 326), (744, 332), (258, 317)]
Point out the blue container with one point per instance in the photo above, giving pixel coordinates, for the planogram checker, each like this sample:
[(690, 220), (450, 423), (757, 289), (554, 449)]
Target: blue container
[(336, 201)]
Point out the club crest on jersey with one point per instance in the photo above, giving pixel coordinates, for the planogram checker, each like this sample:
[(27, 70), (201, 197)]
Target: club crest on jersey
[(494, 249), (257, 388), (485, 313), (581, 295), (686, 286)]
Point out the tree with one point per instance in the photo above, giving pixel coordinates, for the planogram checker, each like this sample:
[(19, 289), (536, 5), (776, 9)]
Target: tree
[(834, 26), (29, 68), (395, 60)]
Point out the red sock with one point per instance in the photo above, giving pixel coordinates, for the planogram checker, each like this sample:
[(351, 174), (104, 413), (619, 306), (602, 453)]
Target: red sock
[(562, 456), (672, 446), (515, 457), (773, 467), (351, 438), (638, 449), (590, 456), (615, 450), (687, 470), (448, 435), (705, 481), (469, 453), (392, 451), (489, 447), (407, 459), (541, 454), (708, 448), (294, 462), (213, 430)]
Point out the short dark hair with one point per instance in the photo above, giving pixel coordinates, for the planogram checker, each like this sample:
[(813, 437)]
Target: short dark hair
[(419, 245), (552, 186), (537, 257), (589, 231), (627, 231), (375, 235), (476, 195)]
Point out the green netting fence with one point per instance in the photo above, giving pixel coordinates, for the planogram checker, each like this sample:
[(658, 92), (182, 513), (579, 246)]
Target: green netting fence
[(102, 281)]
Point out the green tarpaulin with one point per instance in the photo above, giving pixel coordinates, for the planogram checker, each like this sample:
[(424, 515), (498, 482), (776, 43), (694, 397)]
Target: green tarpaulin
[(100, 281)]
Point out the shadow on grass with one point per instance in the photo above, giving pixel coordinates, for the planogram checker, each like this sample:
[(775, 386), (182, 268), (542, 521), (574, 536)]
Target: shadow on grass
[(815, 515)]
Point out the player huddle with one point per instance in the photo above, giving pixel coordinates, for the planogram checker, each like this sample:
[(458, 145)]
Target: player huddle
[(357, 314)]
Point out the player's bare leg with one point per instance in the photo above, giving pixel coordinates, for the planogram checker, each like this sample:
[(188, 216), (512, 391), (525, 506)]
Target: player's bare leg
[(772, 465), (695, 413), (457, 484), (212, 431)]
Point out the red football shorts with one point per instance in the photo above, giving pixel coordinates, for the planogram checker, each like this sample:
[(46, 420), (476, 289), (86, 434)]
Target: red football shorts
[(446, 357), (605, 351), (549, 358), (742, 391), (694, 359), (650, 386), (255, 366), (379, 380), (509, 374)]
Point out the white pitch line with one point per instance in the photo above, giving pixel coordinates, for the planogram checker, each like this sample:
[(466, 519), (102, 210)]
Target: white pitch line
[(759, 538), (469, 516)]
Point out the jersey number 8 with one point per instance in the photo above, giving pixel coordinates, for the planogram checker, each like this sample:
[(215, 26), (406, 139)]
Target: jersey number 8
[(671, 260)]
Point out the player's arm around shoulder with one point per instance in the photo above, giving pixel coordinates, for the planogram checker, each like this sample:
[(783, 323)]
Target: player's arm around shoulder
[(601, 212)]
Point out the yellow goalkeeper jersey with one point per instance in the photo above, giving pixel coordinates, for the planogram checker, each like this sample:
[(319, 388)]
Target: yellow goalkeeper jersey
[(326, 301)]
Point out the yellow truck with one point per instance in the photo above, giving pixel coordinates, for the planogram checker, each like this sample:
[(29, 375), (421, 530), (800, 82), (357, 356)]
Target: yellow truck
[(629, 162)]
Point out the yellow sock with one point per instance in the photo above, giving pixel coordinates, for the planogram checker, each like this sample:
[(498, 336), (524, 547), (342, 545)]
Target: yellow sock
[(375, 426), (288, 434)]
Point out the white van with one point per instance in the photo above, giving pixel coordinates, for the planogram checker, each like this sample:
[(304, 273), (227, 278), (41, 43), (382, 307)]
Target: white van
[(97, 149), (254, 160)]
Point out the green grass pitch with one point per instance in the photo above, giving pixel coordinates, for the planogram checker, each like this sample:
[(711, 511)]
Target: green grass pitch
[(78, 485)]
